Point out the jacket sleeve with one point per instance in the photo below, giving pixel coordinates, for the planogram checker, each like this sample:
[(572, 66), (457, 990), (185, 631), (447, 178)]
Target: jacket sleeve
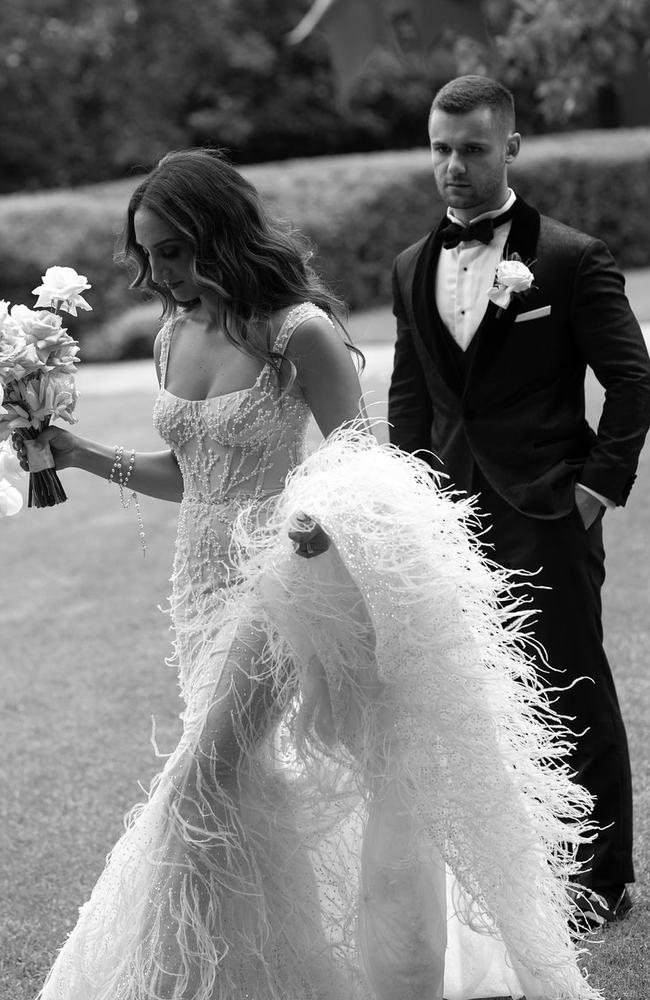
[(610, 339), (410, 409)]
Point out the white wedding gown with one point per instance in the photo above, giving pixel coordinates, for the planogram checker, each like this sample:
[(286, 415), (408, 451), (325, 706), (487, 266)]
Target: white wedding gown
[(364, 804)]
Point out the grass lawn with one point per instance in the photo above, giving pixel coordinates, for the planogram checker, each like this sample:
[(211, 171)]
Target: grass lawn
[(83, 650)]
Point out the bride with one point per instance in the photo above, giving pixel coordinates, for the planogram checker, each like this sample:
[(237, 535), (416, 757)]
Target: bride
[(369, 798)]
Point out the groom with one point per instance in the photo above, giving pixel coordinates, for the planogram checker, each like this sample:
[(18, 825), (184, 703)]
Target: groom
[(492, 393)]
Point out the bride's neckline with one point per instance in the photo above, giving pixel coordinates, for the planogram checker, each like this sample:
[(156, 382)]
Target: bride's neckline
[(220, 395)]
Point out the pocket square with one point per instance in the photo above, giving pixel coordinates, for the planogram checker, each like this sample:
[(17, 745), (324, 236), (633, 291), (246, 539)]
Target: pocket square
[(533, 314)]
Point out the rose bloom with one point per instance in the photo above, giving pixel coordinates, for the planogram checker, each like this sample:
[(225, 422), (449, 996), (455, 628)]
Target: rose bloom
[(13, 416), (17, 357), (63, 356), (514, 275), (11, 500), (41, 328), (9, 465), (53, 395), (62, 288)]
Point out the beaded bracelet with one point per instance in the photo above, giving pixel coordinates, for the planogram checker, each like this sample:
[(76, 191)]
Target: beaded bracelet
[(122, 481), (117, 464)]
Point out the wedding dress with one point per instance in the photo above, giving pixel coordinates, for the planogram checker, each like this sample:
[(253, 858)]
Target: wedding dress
[(368, 801)]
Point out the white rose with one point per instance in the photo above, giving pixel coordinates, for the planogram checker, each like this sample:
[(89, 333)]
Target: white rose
[(10, 468), (33, 324), (62, 396), (62, 288), (11, 499), (18, 358), (13, 416), (514, 275), (52, 395), (63, 357), (41, 328)]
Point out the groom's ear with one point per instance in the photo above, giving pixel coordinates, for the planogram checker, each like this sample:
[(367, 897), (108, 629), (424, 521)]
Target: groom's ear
[(513, 145)]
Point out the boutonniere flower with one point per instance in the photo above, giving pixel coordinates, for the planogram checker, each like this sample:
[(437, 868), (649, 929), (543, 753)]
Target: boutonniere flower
[(512, 277)]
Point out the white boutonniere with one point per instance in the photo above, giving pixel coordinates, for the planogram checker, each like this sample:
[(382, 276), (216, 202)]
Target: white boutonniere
[(512, 277)]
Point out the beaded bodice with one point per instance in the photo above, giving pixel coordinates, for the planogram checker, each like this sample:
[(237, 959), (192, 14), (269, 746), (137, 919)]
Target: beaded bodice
[(231, 449)]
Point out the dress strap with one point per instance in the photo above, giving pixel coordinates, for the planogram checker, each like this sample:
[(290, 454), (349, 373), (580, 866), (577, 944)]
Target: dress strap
[(297, 315), (165, 341)]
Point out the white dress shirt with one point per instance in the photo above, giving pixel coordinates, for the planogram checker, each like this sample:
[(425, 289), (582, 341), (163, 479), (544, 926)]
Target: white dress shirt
[(464, 277)]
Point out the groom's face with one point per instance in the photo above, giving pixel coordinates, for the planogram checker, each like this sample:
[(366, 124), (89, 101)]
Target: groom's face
[(470, 154)]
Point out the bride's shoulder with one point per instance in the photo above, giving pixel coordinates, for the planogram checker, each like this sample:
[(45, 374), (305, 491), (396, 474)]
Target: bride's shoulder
[(303, 321), (313, 343)]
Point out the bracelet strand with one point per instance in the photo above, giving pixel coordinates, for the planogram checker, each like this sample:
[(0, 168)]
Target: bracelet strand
[(117, 464), (122, 482)]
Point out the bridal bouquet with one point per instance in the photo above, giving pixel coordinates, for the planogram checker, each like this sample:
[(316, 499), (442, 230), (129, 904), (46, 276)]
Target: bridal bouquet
[(37, 367)]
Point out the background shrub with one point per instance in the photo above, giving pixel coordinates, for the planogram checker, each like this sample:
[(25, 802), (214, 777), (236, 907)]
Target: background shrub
[(360, 210)]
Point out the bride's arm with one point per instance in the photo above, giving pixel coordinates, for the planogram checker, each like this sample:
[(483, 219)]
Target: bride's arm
[(328, 378), (155, 474), (327, 375)]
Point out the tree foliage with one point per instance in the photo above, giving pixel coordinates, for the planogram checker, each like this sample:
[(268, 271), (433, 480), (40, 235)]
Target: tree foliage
[(90, 89), (570, 54)]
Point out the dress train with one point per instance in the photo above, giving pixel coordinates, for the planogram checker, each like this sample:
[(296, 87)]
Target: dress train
[(369, 798)]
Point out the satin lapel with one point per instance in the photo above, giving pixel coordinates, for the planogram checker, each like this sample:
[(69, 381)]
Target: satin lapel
[(428, 321), (495, 325)]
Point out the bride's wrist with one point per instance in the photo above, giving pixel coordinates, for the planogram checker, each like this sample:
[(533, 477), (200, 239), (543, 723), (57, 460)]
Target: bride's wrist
[(78, 454), (90, 456)]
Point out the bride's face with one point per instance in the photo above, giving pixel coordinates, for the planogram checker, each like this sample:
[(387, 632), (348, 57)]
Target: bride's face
[(169, 254)]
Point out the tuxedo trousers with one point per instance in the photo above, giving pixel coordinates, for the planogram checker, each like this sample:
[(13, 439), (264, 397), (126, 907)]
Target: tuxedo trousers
[(570, 561)]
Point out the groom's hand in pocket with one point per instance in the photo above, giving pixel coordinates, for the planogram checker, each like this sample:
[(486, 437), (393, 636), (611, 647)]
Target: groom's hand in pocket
[(589, 506)]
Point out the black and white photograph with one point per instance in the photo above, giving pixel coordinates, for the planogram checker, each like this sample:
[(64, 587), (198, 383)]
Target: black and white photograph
[(324, 539)]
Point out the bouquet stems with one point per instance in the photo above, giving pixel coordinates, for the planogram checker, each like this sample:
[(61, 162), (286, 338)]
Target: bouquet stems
[(45, 488)]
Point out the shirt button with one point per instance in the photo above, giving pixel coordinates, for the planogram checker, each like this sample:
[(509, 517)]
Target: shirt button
[(462, 312)]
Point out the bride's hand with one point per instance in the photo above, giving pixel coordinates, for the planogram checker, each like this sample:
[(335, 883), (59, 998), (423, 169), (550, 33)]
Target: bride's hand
[(61, 442), (310, 539)]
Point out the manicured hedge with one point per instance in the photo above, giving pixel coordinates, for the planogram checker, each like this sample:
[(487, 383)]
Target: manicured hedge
[(359, 210)]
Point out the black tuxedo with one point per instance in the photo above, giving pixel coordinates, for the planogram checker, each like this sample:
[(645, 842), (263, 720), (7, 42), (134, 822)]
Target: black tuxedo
[(518, 411), (506, 419)]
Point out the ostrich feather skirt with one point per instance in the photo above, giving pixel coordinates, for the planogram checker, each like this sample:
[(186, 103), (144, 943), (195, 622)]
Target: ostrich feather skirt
[(416, 664)]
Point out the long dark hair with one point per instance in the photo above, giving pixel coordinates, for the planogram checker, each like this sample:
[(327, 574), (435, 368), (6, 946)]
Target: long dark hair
[(253, 264)]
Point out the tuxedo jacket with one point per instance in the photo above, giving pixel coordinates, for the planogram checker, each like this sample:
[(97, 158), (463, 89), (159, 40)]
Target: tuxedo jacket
[(515, 403)]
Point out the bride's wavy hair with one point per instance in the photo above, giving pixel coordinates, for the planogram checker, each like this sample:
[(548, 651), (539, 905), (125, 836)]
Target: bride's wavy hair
[(253, 264)]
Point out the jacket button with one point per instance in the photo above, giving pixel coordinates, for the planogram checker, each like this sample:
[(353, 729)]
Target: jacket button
[(470, 413)]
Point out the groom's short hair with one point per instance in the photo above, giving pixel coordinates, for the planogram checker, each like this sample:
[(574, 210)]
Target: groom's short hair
[(466, 93)]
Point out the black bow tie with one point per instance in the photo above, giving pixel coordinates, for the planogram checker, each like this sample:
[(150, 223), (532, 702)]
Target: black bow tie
[(454, 233)]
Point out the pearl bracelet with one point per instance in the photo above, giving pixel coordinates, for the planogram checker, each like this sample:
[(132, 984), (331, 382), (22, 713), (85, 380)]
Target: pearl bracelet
[(122, 481), (117, 464)]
